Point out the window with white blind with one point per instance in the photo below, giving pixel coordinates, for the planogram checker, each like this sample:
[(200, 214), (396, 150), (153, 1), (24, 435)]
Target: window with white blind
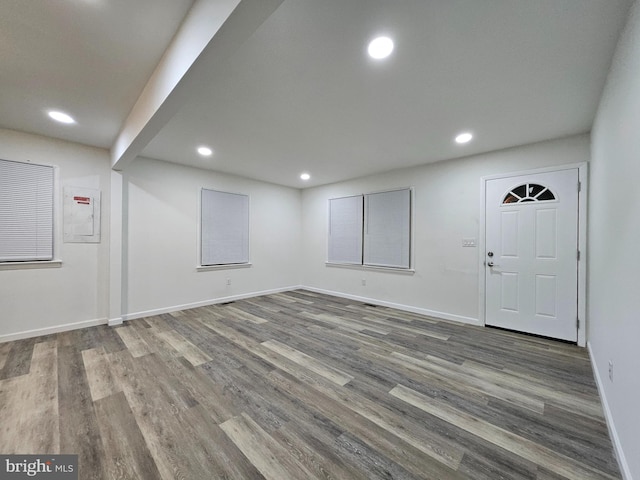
[(345, 230), (224, 228), (387, 229), (372, 229), (26, 212)]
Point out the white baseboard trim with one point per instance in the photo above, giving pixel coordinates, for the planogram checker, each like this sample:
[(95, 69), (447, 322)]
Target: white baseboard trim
[(38, 332), (613, 433), (231, 298), (398, 306), (204, 303)]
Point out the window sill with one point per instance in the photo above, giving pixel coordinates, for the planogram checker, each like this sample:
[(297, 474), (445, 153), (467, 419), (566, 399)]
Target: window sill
[(207, 268), (30, 265), (401, 271)]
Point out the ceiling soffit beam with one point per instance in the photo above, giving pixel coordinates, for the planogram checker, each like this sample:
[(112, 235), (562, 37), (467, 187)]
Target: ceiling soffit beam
[(211, 32)]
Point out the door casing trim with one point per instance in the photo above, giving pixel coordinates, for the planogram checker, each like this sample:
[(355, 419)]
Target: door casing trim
[(582, 240)]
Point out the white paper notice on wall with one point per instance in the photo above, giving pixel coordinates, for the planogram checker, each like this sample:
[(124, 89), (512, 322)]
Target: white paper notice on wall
[(81, 215)]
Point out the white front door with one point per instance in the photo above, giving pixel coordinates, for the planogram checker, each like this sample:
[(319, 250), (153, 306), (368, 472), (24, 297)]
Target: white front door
[(531, 253)]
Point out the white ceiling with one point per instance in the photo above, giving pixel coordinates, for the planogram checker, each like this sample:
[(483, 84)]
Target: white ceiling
[(300, 94), (90, 58)]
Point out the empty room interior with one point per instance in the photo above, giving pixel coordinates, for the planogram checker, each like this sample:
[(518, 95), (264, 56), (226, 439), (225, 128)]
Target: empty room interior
[(298, 239)]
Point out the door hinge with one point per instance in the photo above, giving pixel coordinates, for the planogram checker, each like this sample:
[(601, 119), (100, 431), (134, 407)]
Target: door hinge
[(579, 186), (577, 323), (578, 255)]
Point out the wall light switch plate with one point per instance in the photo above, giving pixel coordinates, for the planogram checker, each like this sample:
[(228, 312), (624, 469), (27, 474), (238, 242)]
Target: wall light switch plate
[(469, 242)]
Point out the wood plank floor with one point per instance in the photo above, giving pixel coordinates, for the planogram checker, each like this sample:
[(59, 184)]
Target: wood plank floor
[(304, 386)]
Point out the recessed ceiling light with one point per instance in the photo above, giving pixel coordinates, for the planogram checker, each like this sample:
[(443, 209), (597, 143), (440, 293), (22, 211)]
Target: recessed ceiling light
[(61, 117), (464, 137), (380, 47), (305, 176), (205, 151)]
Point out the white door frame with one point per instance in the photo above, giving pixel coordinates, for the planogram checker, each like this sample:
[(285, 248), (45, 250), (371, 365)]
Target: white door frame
[(582, 240)]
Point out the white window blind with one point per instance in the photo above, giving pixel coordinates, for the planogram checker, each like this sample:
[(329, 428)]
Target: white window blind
[(387, 229), (224, 228), (345, 230), (372, 229), (26, 212)]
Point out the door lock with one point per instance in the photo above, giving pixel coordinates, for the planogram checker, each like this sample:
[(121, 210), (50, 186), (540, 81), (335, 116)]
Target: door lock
[(490, 254)]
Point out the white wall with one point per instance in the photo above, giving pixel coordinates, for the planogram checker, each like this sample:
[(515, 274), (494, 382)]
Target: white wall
[(614, 236), (162, 248), (44, 299), (447, 209)]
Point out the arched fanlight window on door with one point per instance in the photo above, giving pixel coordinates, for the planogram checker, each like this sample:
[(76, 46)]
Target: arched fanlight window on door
[(529, 192)]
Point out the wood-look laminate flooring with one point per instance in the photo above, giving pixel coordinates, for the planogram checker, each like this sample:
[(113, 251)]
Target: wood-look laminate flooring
[(302, 386)]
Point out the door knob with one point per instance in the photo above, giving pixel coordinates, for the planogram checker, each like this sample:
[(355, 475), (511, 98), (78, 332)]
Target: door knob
[(491, 264)]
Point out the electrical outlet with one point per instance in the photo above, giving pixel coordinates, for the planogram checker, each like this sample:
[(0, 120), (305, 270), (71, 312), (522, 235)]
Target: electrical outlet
[(611, 370), (364, 282)]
